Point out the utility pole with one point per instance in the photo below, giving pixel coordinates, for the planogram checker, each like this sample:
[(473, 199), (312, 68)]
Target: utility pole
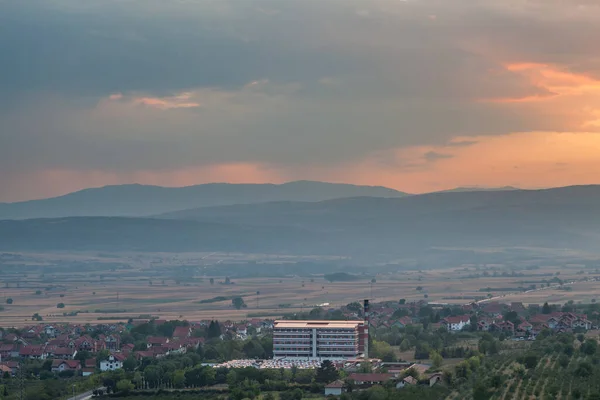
[(21, 382)]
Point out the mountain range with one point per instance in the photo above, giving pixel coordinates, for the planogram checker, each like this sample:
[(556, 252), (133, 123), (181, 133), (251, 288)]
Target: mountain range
[(143, 200), (560, 218)]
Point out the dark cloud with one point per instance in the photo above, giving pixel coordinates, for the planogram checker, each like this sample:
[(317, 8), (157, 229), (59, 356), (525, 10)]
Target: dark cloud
[(278, 82), (462, 143), (432, 156)]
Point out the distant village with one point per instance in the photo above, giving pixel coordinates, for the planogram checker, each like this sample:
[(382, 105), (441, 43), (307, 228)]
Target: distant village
[(87, 349)]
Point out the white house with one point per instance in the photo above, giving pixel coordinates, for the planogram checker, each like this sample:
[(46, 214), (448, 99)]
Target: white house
[(335, 388), (114, 361), (456, 323)]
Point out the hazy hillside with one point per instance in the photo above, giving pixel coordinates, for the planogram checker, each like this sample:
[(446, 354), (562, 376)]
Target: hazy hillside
[(141, 200), (479, 189), (555, 218)]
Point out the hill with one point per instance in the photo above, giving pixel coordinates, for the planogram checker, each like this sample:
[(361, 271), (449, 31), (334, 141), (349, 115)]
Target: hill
[(141, 200), (562, 218), (479, 189)]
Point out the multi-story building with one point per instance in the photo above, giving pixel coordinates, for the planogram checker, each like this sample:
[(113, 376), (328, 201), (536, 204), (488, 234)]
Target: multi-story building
[(318, 340)]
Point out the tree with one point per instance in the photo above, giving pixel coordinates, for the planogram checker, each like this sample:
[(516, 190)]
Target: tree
[(37, 317), (129, 364), (214, 330), (473, 321), (102, 355), (589, 347), (404, 345), (82, 356), (238, 302), (9, 301), (436, 359), (402, 301), (419, 288), (212, 281), (125, 386), (546, 308), (179, 379), (530, 360), (227, 280), (326, 373), (60, 305), (512, 316)]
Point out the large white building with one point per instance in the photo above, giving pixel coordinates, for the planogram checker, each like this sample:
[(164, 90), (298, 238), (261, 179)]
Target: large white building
[(318, 340)]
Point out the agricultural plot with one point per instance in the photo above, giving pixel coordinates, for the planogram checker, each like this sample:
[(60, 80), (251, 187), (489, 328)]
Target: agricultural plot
[(195, 286)]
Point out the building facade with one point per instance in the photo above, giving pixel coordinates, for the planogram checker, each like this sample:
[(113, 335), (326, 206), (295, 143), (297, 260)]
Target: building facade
[(317, 340)]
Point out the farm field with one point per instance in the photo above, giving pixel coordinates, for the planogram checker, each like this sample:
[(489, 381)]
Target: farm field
[(116, 287)]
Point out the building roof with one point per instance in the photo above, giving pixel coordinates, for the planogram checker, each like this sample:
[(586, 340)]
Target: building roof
[(335, 384), (72, 364), (371, 377), (456, 319), (317, 324)]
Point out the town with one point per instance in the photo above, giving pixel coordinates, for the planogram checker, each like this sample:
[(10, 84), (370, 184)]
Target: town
[(403, 344)]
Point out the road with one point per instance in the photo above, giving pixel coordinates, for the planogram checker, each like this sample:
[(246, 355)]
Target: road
[(84, 396)]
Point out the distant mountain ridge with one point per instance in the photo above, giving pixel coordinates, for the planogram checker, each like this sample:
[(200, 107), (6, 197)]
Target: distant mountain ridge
[(479, 189), (561, 218), (142, 200)]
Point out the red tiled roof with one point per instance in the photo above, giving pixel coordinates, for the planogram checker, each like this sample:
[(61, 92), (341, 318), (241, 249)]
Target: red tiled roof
[(456, 319), (181, 331), (72, 364), (157, 340), (63, 351), (371, 377)]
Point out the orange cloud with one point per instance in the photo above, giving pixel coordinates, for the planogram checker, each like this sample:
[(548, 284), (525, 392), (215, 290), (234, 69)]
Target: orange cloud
[(528, 160), (553, 80)]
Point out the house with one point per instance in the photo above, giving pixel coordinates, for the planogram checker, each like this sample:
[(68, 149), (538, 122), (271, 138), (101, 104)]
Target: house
[(435, 378), (519, 308), (66, 365), (86, 343), (493, 309), (335, 388), (182, 332), (5, 369), (241, 329), (456, 323), (409, 380), (403, 322), (370, 379), (503, 326), (89, 367), (396, 367), (111, 342), (62, 353), (33, 352), (9, 351), (114, 362), (139, 355), (13, 367), (157, 341), (50, 331)]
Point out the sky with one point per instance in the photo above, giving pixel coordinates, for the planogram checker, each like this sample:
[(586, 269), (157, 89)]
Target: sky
[(417, 95)]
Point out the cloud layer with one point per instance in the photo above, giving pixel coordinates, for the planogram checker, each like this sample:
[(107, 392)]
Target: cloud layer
[(175, 93)]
